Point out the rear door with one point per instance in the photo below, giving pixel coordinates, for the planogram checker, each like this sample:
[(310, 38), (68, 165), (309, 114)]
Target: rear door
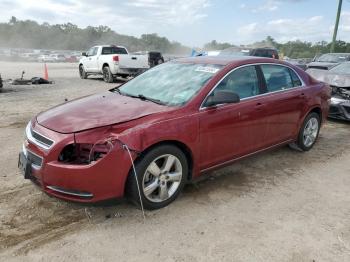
[(285, 99), (232, 130)]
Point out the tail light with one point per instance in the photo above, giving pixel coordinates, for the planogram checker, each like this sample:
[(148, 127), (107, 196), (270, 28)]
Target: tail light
[(116, 58)]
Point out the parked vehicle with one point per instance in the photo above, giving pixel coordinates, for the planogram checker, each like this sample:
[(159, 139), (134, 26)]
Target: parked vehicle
[(29, 57), (260, 52), (176, 121), (155, 58), (111, 61), (71, 59), (58, 58), (327, 61), (297, 62), (1, 84), (45, 59), (338, 78)]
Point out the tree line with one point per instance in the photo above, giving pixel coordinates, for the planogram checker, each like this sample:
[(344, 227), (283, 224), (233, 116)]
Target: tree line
[(292, 49), (30, 34)]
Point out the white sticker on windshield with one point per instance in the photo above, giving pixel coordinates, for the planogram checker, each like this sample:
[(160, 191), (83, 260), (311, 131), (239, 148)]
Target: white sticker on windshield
[(207, 69)]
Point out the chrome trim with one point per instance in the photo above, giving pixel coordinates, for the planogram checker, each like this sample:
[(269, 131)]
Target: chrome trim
[(60, 190), (247, 155), (251, 97), (30, 137)]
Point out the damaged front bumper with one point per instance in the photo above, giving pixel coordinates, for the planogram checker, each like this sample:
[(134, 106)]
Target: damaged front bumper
[(339, 108), (92, 182)]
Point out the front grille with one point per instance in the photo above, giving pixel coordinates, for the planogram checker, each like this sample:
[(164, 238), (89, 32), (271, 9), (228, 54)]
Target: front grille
[(41, 139), (34, 159), (37, 138)]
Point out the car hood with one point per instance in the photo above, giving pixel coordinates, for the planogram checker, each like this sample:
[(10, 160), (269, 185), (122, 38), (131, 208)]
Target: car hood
[(96, 111), (340, 80), (322, 65)]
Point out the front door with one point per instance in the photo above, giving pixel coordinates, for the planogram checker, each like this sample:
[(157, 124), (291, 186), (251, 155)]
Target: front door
[(231, 130)]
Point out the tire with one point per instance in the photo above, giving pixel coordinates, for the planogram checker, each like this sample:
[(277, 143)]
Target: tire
[(160, 61), (309, 131), (107, 75), (82, 73), (161, 187)]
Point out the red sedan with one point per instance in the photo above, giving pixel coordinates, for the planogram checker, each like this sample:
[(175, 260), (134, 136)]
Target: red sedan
[(174, 122)]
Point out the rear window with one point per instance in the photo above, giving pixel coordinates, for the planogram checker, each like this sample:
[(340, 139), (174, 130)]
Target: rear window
[(114, 50), (277, 77)]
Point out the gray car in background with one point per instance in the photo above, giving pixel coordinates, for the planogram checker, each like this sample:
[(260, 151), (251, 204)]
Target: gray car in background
[(327, 61), (338, 78)]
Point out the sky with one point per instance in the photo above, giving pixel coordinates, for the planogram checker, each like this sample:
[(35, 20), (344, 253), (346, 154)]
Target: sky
[(194, 22)]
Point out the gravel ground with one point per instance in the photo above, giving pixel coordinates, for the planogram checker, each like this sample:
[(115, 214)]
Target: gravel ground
[(281, 205)]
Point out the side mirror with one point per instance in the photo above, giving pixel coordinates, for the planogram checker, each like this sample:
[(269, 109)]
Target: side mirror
[(84, 54), (222, 97)]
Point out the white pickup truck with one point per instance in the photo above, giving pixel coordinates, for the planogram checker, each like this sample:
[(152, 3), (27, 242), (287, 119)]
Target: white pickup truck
[(111, 61)]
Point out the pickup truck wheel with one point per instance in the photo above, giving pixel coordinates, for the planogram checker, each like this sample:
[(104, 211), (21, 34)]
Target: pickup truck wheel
[(107, 75), (161, 175), (160, 61), (82, 73)]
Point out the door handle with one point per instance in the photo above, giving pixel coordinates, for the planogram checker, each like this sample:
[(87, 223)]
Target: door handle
[(302, 95), (259, 106)]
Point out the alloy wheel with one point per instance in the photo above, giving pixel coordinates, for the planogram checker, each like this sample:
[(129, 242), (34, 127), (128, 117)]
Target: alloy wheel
[(162, 178), (310, 132)]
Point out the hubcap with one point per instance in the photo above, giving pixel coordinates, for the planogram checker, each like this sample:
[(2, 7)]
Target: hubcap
[(162, 178), (310, 132)]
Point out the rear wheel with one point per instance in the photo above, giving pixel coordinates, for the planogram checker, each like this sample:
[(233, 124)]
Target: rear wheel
[(82, 72), (309, 132), (161, 175), (107, 75)]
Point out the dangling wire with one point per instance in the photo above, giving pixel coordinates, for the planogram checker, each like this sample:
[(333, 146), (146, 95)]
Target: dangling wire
[(137, 181), (110, 141)]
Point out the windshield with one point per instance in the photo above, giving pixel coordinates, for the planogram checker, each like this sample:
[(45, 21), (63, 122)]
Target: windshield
[(171, 83), (333, 58), (343, 68)]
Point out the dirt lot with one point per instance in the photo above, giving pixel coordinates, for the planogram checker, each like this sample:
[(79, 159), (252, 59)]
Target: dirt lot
[(278, 206)]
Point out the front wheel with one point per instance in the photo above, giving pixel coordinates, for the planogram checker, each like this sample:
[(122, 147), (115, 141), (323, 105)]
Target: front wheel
[(107, 75), (161, 175), (309, 132), (82, 73)]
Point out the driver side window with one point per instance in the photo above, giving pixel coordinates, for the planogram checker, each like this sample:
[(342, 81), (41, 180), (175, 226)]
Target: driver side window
[(92, 51), (243, 81)]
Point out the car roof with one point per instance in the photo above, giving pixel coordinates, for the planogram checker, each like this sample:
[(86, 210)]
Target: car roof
[(336, 54), (225, 60)]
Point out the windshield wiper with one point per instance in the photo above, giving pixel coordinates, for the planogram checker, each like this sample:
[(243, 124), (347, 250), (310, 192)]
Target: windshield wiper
[(146, 98), (140, 96)]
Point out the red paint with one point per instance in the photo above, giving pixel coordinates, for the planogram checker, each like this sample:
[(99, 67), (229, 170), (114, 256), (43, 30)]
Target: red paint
[(212, 136)]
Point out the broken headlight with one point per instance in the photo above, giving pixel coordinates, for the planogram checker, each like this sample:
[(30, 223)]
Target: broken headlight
[(80, 154)]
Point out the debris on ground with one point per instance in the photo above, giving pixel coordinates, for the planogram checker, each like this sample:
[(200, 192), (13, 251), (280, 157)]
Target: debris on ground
[(34, 81)]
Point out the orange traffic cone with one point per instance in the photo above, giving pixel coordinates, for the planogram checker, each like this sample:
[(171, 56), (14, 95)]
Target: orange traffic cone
[(46, 74)]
